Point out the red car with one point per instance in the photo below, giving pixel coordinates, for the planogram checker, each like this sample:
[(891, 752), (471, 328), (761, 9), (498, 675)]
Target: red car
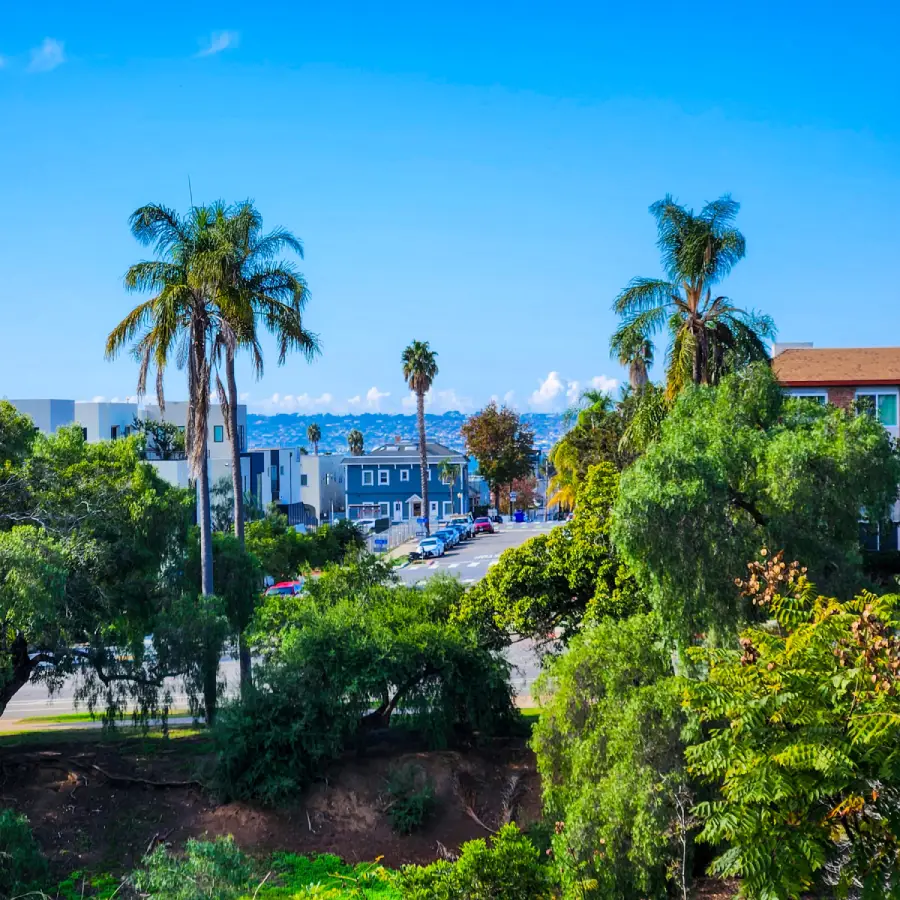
[(483, 526), (285, 589)]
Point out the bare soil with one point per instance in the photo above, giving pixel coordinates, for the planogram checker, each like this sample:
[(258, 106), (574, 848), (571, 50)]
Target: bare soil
[(88, 816)]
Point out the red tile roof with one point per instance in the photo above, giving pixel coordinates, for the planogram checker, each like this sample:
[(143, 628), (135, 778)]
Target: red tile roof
[(854, 365)]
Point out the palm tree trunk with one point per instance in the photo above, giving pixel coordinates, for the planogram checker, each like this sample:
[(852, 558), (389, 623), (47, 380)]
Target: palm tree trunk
[(423, 459), (237, 482), (205, 522)]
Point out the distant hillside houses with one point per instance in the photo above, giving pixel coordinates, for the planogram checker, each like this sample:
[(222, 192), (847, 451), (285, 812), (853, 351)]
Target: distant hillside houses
[(289, 429)]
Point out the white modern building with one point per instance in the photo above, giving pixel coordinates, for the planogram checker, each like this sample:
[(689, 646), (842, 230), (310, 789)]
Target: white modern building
[(102, 420)]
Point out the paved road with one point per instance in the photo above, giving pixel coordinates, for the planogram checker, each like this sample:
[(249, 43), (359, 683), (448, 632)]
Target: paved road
[(469, 562)]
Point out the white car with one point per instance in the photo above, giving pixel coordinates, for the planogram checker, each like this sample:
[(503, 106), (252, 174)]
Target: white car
[(431, 547), (467, 522), (366, 526)]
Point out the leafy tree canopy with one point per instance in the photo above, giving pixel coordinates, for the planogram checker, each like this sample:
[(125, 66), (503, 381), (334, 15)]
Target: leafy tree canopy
[(610, 756), (503, 446), (84, 553), (803, 723), (741, 466), (555, 580)]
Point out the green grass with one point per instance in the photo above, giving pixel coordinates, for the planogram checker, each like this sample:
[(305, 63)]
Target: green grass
[(154, 738), (63, 718), (293, 874)]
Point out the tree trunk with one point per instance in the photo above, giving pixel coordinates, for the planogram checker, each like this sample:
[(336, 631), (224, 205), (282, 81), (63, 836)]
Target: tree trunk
[(423, 459), (236, 478), (205, 522), (19, 673), (238, 487)]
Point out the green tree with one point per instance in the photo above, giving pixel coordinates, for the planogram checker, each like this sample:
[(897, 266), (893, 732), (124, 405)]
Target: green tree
[(419, 370), (181, 313), (222, 506), (447, 472), (609, 752), (710, 336), (740, 466), (84, 552), (502, 444), (314, 435), (633, 349), (557, 580), (802, 725), (355, 442), (164, 439)]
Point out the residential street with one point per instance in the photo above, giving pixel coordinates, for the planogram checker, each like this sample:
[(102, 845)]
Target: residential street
[(469, 562)]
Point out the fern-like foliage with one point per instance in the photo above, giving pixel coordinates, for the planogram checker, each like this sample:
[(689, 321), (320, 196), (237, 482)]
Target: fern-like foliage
[(802, 728)]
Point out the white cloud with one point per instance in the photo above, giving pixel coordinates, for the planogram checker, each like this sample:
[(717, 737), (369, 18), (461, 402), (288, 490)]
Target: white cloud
[(438, 402), (45, 58), (291, 403), (219, 41), (374, 398), (555, 393)]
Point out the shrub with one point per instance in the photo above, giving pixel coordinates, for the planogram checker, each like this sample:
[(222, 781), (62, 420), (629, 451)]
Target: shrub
[(22, 864), (608, 747), (510, 869), (208, 870), (412, 798)]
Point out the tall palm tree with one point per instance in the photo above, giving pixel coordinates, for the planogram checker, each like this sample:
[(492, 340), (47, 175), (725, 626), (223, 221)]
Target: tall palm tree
[(447, 472), (419, 370), (180, 319), (709, 335), (314, 435), (252, 286), (355, 442), (634, 350)]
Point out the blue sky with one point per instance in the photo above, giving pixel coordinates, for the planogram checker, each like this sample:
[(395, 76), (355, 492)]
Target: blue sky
[(474, 175)]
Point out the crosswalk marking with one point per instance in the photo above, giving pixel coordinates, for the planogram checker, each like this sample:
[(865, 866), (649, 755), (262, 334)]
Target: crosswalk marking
[(473, 565), (468, 581), (493, 563), (453, 566)]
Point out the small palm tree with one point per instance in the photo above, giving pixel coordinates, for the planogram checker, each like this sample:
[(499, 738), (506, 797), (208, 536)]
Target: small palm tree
[(179, 319), (634, 350), (447, 472), (709, 335), (419, 370), (314, 435), (355, 442)]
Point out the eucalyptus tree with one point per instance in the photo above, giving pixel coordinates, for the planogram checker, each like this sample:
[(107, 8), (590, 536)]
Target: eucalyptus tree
[(419, 370), (709, 334), (180, 321)]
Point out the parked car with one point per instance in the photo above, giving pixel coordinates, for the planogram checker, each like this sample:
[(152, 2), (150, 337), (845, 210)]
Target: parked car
[(461, 530), (450, 537), (366, 526), (467, 522), (498, 519), (285, 589), (430, 547), (483, 525)]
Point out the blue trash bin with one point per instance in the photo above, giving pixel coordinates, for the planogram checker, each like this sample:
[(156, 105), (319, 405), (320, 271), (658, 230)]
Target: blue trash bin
[(520, 515)]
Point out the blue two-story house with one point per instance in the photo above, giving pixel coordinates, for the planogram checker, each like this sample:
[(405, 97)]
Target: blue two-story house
[(387, 482)]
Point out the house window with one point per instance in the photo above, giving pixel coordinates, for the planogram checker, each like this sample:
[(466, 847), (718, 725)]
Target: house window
[(384, 510), (882, 406), (368, 478), (273, 473), (821, 398), (448, 509), (281, 469), (404, 474), (83, 432), (218, 433), (114, 432), (384, 476), (303, 480)]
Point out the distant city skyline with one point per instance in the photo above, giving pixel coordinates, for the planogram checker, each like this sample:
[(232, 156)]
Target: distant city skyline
[(477, 176)]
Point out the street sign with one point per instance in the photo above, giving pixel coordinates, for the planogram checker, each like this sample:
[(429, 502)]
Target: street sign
[(512, 496), (381, 544)]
